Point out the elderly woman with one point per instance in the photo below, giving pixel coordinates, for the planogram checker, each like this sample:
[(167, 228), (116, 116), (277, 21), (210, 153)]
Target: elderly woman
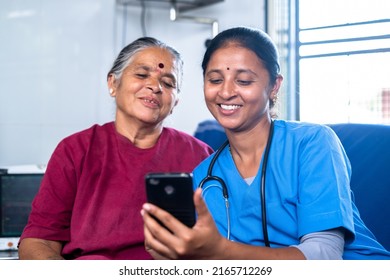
[(89, 201)]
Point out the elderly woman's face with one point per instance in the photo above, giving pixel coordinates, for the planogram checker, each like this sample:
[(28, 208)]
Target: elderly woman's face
[(147, 90)]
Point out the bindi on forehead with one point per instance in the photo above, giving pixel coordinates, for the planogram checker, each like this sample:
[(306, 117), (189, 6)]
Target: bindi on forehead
[(161, 65), (227, 68)]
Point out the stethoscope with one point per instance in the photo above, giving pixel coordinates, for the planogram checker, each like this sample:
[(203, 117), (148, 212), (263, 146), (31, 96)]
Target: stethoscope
[(209, 177)]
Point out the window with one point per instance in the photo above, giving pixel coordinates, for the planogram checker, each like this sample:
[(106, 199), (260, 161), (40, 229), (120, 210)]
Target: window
[(342, 59)]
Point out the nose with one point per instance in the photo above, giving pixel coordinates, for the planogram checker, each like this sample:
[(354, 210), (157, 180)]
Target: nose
[(155, 86), (227, 90)]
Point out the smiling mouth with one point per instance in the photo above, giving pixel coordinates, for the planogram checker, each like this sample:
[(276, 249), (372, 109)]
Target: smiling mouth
[(151, 101), (229, 107)]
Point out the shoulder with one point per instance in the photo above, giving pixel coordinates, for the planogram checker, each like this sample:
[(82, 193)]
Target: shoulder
[(303, 130), (106, 128), (307, 139), (311, 137), (183, 138), (94, 134), (298, 126), (175, 133)]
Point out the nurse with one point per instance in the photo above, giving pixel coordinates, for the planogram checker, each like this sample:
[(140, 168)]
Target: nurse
[(288, 183)]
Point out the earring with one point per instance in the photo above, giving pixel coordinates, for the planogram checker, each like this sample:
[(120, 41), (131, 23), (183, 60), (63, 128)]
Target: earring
[(275, 99), (111, 91)]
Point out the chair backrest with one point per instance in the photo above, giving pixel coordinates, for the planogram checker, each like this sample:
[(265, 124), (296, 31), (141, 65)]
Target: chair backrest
[(211, 132), (368, 149)]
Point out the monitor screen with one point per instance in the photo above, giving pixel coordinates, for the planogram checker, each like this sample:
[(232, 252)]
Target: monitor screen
[(16, 194)]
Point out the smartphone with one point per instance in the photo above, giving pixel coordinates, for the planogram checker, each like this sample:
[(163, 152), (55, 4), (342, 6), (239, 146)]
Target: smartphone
[(172, 192)]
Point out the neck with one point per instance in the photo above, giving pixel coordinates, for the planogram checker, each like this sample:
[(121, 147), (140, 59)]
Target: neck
[(247, 149), (140, 135)]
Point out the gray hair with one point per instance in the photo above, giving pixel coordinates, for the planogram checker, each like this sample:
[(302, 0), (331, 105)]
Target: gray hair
[(124, 57)]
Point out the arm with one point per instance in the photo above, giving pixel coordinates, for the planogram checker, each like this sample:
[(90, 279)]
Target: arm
[(324, 245), (203, 241), (40, 249)]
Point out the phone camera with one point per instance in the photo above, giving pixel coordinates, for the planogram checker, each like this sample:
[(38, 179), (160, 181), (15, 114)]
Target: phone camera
[(169, 190)]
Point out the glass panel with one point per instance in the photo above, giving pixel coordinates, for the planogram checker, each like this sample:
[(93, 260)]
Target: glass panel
[(331, 12), (332, 48), (352, 88), (344, 32)]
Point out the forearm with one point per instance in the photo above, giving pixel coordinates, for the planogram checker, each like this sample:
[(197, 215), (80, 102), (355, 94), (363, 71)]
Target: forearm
[(203, 241), (39, 249), (239, 251)]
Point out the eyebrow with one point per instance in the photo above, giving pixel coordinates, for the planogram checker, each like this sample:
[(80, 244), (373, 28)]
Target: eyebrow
[(239, 71), (213, 71)]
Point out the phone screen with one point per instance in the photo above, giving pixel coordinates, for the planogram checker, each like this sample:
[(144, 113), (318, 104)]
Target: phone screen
[(172, 192)]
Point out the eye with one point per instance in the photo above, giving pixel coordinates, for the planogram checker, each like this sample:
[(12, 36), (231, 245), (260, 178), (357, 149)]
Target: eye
[(141, 75), (168, 83), (215, 81), (244, 82)]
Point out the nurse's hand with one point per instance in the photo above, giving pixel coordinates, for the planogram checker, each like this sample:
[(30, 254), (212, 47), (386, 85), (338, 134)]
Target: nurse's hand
[(202, 241)]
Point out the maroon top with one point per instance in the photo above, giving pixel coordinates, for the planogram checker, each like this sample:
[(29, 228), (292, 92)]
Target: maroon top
[(93, 190)]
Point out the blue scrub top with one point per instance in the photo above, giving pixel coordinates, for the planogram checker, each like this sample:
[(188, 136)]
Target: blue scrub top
[(307, 190)]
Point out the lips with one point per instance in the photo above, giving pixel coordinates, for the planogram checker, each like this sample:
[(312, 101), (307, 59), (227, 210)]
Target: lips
[(153, 102)]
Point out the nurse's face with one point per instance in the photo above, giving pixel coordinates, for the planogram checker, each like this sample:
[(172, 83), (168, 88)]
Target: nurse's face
[(237, 88)]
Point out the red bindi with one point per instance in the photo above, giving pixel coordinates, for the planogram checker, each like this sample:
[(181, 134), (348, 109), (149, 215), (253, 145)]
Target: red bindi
[(227, 68), (161, 65)]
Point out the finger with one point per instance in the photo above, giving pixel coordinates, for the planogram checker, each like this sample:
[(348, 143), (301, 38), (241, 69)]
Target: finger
[(152, 224), (168, 220), (170, 233), (153, 243)]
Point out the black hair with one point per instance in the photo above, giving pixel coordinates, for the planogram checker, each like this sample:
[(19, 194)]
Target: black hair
[(250, 38)]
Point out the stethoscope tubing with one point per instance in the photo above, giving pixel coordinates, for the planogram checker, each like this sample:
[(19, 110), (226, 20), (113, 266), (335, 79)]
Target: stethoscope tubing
[(225, 193)]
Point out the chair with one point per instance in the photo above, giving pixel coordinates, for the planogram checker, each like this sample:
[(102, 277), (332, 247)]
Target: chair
[(210, 132), (368, 149)]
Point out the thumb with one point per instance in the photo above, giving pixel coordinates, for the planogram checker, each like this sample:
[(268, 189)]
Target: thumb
[(200, 205)]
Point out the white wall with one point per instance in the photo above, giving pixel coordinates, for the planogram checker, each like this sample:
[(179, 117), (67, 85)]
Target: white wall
[(54, 56)]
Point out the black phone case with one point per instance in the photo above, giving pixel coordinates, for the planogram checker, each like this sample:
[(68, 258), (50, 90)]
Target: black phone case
[(172, 192)]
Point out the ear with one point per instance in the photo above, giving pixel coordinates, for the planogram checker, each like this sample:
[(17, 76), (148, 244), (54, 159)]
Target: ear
[(111, 84), (276, 87)]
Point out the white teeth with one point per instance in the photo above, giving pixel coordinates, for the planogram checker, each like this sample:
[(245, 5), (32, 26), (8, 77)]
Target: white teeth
[(230, 107), (150, 101)]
